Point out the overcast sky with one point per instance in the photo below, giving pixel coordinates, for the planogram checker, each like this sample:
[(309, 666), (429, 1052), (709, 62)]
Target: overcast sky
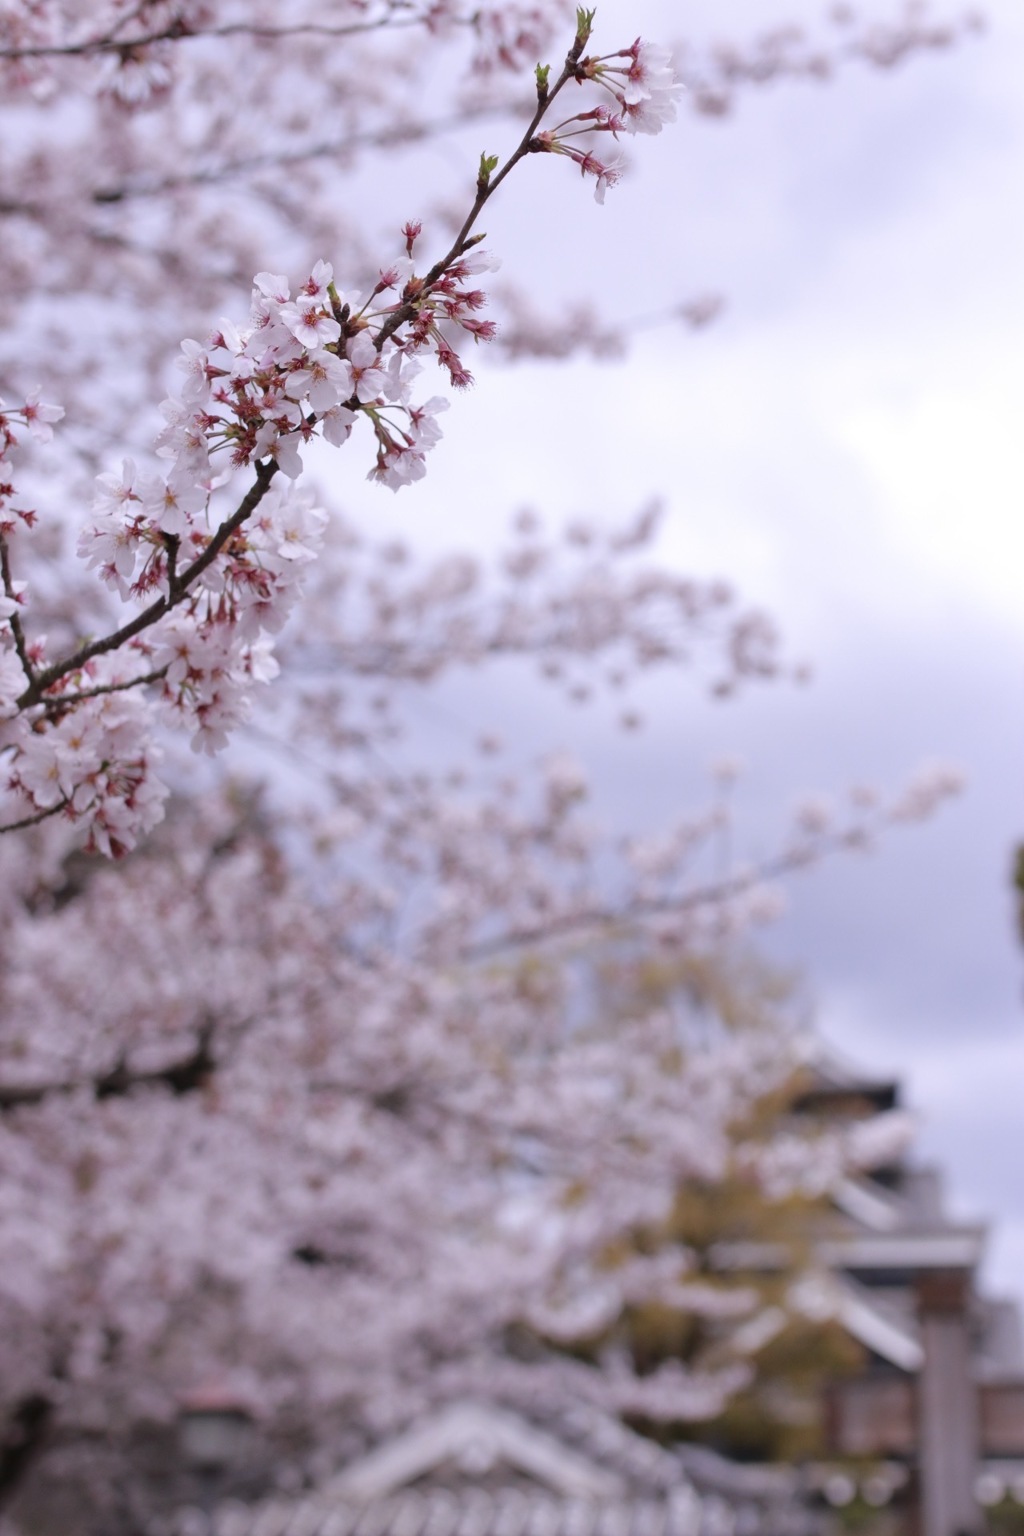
[(846, 444)]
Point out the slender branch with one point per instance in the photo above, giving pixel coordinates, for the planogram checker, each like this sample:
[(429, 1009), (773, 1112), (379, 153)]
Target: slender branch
[(22, 1440), (424, 645), (486, 188), (172, 543), (137, 13), (578, 925), (183, 1076), (15, 619), (180, 583), (376, 138), (178, 32), (265, 473), (63, 700), (36, 818)]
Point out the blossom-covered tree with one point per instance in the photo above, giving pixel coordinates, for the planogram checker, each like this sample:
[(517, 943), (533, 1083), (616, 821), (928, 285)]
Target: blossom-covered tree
[(314, 1099), (251, 1138)]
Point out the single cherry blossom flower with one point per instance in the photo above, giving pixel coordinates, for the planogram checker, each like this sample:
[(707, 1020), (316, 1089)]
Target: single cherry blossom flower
[(607, 176), (336, 424), (195, 364), (325, 381), (272, 287), (370, 379), (171, 503), (423, 428), (316, 288), (112, 492), (38, 416), (310, 323)]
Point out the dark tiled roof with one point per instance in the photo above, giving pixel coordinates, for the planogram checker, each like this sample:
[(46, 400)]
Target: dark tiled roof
[(476, 1512), (478, 1470)]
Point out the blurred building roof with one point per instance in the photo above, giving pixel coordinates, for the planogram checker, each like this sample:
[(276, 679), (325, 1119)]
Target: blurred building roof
[(476, 1470)]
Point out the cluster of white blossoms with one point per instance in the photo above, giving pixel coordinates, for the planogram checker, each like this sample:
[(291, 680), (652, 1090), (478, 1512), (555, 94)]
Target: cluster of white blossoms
[(644, 88), (305, 366), (217, 588), (91, 754)]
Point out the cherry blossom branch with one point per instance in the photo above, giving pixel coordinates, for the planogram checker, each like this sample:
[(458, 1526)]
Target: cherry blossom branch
[(38, 817), (64, 701), (14, 618), (525, 335), (180, 31), (309, 365), (789, 53), (23, 1438), (588, 923), (188, 1074), (486, 187), (391, 137), (649, 100), (816, 840), (178, 591)]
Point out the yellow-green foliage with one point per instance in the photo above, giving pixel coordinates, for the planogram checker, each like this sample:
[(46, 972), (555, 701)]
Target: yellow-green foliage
[(779, 1416)]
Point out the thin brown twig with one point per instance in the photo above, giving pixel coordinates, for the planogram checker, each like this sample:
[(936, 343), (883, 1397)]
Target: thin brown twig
[(265, 473), (486, 188), (36, 818), (62, 700), (577, 925), (375, 138), (183, 1075), (17, 629), (177, 32)]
